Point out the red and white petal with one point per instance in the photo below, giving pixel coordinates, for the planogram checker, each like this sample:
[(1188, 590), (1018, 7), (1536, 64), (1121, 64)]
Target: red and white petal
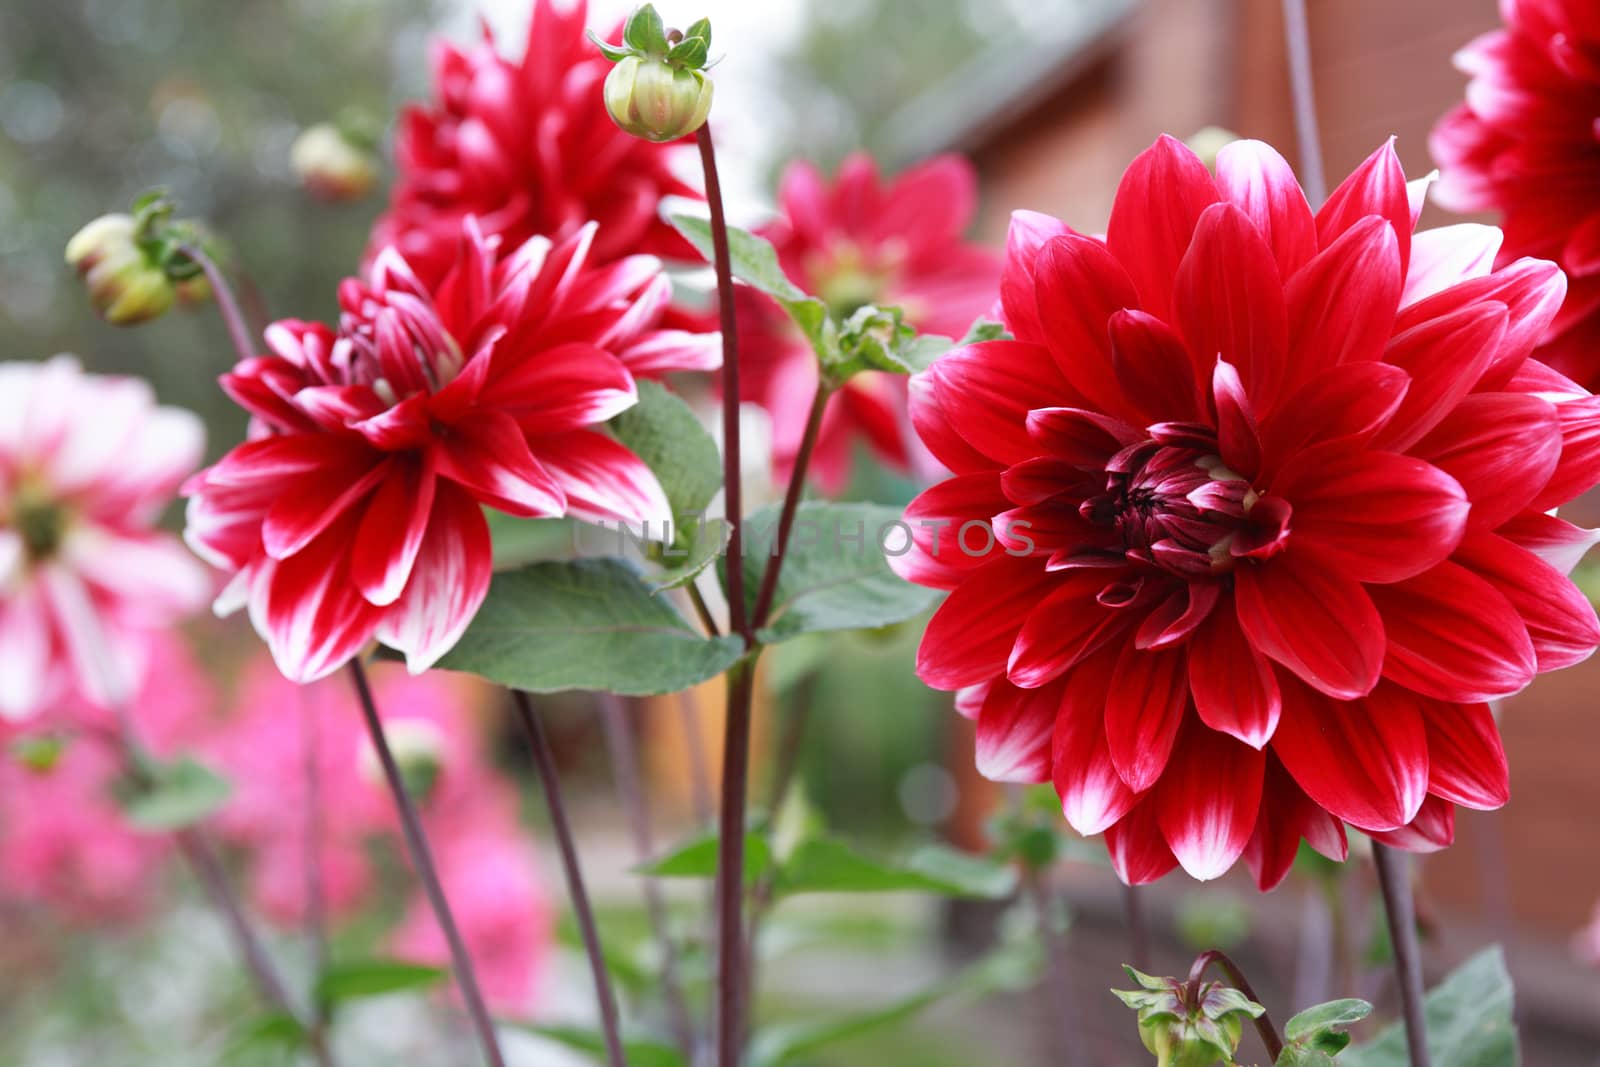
[(1093, 795), (1209, 799), (1561, 622), (1444, 358), (1029, 231), (307, 506), (661, 351), (1015, 731), (1080, 286), (935, 430), (1578, 469), (24, 650), (970, 637), (150, 578), (1235, 687), (1448, 255), (1365, 761), (1502, 448), (1258, 181), (935, 556), (562, 388), (448, 582), (1286, 816), (1466, 760), (105, 669), (1061, 629), (1154, 368), (1454, 636), (1138, 851), (602, 479), (1377, 187), (1342, 303), (1144, 709), (986, 390), (1556, 541), (1433, 829), (391, 532), (1531, 289), (488, 455), (1322, 626), (311, 614), (1350, 403)]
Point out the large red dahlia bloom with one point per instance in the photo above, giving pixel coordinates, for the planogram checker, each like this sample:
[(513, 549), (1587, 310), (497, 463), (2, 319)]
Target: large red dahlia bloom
[(862, 241), (355, 510), (527, 148), (1527, 143), (1271, 492)]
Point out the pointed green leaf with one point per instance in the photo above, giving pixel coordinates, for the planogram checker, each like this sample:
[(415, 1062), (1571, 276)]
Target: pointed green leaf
[(359, 979), (825, 865), (1334, 1015), (279, 1032), (835, 573), (700, 28), (683, 565), (639, 1051), (179, 794), (689, 52), (1469, 1021), (586, 624), (662, 430), (697, 858), (645, 32)]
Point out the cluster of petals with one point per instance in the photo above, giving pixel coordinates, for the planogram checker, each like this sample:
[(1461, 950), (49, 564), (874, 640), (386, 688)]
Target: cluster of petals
[(303, 767), (1526, 143), (355, 509), (526, 147), (862, 241), (65, 846), (1272, 497), (87, 464)]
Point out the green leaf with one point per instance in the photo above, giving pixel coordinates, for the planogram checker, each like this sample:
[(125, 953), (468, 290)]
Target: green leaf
[(984, 330), (1334, 1015), (1300, 1056), (683, 565), (753, 261), (179, 794), (518, 542), (1469, 1021), (586, 624), (661, 430), (835, 574), (700, 28), (278, 1032), (639, 1052), (697, 858), (644, 31), (612, 52), (358, 979), (825, 865), (1002, 970), (689, 52)]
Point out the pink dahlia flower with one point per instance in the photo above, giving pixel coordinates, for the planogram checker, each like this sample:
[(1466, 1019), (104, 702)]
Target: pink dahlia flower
[(525, 147), (1527, 144), (1272, 496), (87, 463), (355, 511), (862, 241)]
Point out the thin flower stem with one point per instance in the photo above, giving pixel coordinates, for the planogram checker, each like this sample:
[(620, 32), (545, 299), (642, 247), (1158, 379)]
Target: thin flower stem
[(1298, 40), (625, 764), (1264, 1027), (1394, 876), (1138, 931), (730, 864), (544, 761), (702, 612), (738, 618), (316, 897), (791, 503), (1066, 1049), (232, 317), (416, 839)]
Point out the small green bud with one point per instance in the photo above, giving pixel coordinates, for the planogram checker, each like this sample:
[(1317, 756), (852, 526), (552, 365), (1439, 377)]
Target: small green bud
[(39, 754), (126, 286), (1186, 1027), (656, 100), (332, 165)]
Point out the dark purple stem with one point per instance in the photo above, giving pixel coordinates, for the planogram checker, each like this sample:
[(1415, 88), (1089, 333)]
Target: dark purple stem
[(416, 839), (1264, 1027), (1394, 876), (730, 864), (544, 761), (791, 503)]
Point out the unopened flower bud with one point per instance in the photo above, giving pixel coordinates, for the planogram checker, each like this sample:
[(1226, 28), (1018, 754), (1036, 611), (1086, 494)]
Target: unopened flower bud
[(1188, 1024), (126, 286), (652, 99), (331, 164)]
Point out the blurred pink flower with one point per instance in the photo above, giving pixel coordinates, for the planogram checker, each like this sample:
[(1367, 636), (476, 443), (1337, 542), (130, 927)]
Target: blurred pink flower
[(863, 241), (64, 843), (87, 463), (489, 874)]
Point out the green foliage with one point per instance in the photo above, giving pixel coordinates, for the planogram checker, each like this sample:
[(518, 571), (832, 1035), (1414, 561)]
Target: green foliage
[(825, 865), (835, 573), (278, 1033), (663, 431), (586, 624), (174, 795), (697, 858), (1316, 1035), (639, 1051), (360, 979), (1469, 1021)]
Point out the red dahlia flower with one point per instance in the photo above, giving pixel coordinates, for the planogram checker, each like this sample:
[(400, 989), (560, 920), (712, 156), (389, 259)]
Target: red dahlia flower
[(862, 242), (354, 511), (1272, 493), (526, 147), (1527, 143)]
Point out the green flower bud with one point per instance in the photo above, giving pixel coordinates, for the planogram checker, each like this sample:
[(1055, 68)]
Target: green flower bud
[(331, 165), (1186, 1027), (126, 286), (653, 99)]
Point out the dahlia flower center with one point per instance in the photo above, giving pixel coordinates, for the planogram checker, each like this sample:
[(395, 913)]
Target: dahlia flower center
[(846, 280), (40, 521), (396, 345), (1172, 504)]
